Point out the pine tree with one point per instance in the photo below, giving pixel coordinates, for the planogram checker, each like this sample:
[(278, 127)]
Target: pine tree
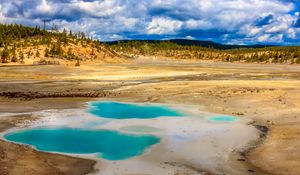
[(14, 55), (22, 57), (77, 63), (64, 36), (5, 55), (71, 34), (37, 54), (52, 50), (59, 50), (29, 53), (46, 52)]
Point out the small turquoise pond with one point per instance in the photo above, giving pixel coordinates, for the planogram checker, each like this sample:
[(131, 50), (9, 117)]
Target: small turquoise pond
[(117, 110), (223, 119), (111, 145)]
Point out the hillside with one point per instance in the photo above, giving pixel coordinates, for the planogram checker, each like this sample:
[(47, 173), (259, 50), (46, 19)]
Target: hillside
[(187, 42), (21, 44), (171, 49)]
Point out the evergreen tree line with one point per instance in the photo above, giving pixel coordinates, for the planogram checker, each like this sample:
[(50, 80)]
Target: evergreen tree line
[(14, 36), (287, 54), (12, 32)]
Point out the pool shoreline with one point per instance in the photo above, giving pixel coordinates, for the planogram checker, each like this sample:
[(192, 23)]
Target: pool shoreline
[(146, 153)]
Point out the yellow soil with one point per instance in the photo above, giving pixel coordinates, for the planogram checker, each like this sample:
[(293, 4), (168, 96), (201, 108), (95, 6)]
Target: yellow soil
[(269, 94)]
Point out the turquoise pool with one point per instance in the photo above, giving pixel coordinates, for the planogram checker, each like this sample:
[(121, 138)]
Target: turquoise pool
[(118, 110), (223, 119), (111, 145), (107, 144)]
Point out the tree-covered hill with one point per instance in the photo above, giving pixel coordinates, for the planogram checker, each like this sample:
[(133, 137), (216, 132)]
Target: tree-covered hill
[(187, 42), (22, 44), (13, 32), (171, 49)]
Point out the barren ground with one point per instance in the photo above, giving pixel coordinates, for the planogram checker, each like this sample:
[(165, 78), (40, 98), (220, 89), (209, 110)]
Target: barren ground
[(269, 94)]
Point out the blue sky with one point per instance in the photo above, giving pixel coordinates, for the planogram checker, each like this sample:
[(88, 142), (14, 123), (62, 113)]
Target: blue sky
[(224, 21)]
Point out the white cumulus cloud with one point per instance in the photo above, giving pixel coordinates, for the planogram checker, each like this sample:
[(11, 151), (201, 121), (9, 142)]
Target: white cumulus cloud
[(241, 21), (163, 26)]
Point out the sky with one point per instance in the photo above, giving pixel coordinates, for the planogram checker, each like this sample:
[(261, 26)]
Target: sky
[(223, 21)]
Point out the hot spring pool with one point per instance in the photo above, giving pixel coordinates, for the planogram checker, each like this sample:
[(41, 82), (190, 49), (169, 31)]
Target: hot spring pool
[(107, 135), (223, 119), (108, 144), (118, 110)]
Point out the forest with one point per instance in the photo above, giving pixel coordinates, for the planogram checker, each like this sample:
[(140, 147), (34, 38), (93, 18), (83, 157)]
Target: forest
[(18, 42), (270, 54)]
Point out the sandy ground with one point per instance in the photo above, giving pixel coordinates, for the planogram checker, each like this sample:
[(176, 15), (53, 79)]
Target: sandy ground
[(268, 94)]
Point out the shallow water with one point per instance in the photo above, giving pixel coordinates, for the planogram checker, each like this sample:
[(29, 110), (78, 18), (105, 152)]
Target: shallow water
[(142, 129), (102, 131), (117, 110), (223, 119), (111, 145)]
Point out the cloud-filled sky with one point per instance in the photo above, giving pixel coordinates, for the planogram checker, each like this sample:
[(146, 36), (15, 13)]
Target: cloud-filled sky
[(224, 21)]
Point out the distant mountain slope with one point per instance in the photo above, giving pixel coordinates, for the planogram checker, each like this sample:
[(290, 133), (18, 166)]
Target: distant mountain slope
[(186, 42), (206, 50)]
